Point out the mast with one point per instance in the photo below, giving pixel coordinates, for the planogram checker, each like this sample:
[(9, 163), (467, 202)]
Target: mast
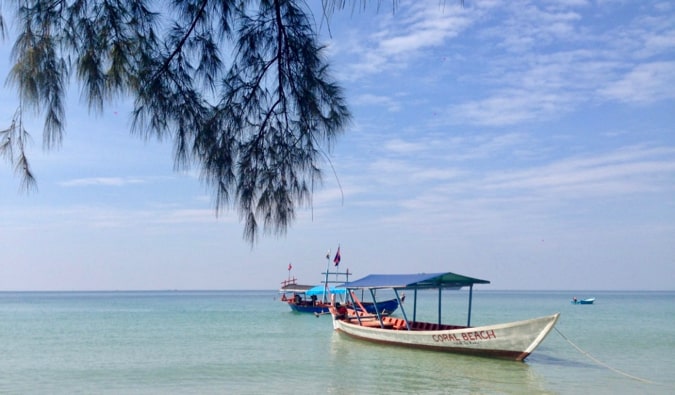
[(325, 281)]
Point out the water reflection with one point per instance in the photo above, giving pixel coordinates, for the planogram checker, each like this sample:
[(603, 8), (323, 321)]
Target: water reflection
[(371, 368)]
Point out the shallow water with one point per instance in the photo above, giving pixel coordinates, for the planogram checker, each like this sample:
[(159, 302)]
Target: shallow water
[(249, 342)]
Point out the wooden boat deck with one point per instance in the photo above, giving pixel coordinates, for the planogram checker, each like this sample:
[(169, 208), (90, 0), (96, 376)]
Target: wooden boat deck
[(399, 324)]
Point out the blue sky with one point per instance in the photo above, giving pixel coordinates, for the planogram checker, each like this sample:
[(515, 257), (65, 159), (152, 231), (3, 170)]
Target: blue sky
[(530, 143)]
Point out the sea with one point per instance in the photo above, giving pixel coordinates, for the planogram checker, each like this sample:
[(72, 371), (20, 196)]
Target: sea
[(249, 342)]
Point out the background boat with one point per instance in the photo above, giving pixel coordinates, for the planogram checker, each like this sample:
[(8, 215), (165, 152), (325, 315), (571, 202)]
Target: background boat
[(312, 301), (317, 299), (582, 301)]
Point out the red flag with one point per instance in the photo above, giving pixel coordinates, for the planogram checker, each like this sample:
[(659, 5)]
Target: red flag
[(337, 258), (290, 267)]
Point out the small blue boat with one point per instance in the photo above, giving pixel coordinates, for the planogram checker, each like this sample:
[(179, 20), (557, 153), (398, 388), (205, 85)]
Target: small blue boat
[(582, 301)]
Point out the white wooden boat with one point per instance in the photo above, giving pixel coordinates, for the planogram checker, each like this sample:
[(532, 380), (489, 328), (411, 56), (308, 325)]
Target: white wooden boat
[(513, 340)]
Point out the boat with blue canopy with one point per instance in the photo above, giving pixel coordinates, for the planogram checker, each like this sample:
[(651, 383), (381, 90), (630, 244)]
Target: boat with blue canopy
[(316, 299)]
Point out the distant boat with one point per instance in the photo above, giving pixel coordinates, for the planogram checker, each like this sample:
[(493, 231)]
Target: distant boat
[(582, 301), (512, 340), (291, 287)]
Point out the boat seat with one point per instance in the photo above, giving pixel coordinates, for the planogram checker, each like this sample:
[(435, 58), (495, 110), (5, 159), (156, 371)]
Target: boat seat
[(372, 323), (399, 323)]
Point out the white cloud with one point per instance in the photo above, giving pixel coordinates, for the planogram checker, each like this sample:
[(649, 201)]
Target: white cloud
[(398, 40), (400, 146), (437, 190), (97, 216), (428, 26), (370, 99), (644, 84), (103, 181), (577, 179), (509, 108)]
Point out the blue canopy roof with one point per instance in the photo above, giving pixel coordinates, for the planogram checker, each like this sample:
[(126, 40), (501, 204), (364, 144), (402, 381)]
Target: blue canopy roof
[(319, 290), (420, 280)]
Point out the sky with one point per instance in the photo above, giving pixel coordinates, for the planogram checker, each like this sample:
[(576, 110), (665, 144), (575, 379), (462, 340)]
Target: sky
[(529, 143)]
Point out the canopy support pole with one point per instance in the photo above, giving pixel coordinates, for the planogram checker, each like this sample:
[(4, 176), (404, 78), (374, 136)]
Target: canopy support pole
[(440, 299), (377, 310), (415, 306), (405, 316), (468, 321)]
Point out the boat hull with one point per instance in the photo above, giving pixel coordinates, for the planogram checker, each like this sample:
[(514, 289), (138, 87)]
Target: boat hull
[(584, 301), (384, 307), (514, 340), (316, 309)]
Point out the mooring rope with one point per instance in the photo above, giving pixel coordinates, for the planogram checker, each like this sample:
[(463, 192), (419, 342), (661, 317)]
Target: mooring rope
[(602, 363)]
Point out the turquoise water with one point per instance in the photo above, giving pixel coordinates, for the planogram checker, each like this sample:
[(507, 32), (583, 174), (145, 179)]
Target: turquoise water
[(250, 343)]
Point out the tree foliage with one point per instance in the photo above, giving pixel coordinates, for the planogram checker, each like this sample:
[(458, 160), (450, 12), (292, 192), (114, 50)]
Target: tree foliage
[(241, 87)]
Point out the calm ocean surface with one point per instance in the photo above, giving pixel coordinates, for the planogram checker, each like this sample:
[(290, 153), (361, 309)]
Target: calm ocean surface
[(248, 342)]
